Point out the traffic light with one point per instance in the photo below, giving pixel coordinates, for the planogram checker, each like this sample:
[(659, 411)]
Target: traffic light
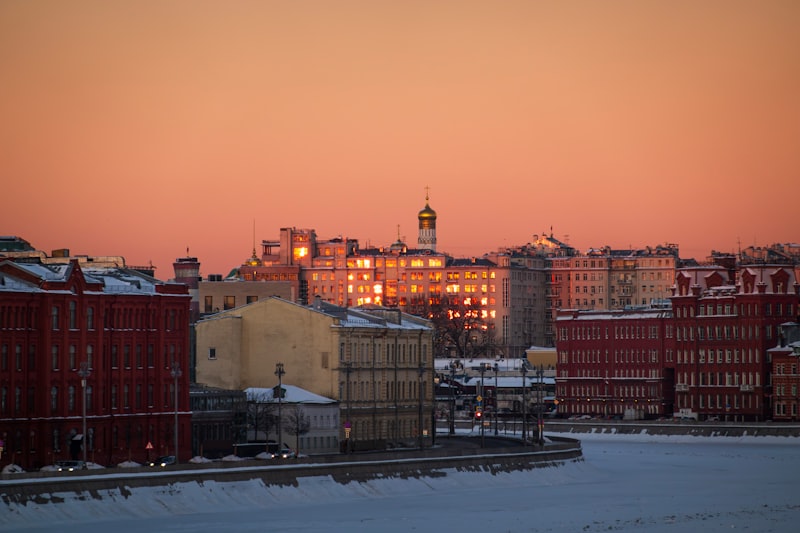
[(478, 414)]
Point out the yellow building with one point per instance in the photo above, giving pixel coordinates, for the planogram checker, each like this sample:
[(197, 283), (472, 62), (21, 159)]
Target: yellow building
[(376, 362)]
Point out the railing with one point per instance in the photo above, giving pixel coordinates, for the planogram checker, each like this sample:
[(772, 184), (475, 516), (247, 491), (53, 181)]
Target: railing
[(681, 387)]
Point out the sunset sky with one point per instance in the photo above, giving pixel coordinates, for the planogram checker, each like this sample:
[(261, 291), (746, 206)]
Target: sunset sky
[(141, 128)]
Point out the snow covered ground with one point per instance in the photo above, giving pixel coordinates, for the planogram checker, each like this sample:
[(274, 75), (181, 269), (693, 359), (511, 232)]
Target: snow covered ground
[(626, 483)]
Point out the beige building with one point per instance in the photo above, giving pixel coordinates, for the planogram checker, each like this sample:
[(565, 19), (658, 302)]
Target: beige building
[(217, 295), (376, 362)]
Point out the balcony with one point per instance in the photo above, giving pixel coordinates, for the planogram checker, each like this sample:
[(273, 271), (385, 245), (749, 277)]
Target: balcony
[(681, 387)]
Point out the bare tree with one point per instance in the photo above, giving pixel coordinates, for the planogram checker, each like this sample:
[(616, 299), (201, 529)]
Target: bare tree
[(297, 424), (261, 413), (462, 328)]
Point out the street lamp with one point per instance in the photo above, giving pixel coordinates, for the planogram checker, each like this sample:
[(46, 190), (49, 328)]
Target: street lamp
[(524, 415), (279, 371), (496, 409), (84, 374), (175, 371), (421, 372), (539, 420), (482, 394), (347, 423), (452, 398)]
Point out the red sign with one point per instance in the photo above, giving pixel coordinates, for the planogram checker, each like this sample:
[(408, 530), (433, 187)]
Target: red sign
[(149, 446)]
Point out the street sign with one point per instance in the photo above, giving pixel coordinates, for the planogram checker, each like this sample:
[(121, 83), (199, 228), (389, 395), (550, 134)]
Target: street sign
[(149, 446), (479, 398)]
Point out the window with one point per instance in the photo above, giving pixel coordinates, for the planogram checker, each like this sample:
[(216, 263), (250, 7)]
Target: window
[(208, 304), (54, 318), (90, 318), (229, 302), (73, 315), (212, 353), (54, 356)]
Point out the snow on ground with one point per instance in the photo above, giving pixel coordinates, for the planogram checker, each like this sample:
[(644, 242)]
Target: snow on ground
[(629, 483)]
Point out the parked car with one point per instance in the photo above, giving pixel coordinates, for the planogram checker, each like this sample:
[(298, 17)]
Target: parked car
[(163, 461), (70, 466)]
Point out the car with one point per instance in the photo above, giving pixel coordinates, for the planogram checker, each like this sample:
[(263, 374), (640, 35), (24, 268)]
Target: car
[(70, 466), (163, 461), (285, 453)]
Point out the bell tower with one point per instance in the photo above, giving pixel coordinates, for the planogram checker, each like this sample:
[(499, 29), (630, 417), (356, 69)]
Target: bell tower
[(427, 226)]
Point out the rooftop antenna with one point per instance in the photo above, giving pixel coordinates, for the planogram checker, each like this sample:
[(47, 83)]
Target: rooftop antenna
[(427, 191), (398, 233)]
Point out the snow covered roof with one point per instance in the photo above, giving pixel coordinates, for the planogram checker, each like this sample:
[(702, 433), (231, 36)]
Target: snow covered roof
[(291, 394)]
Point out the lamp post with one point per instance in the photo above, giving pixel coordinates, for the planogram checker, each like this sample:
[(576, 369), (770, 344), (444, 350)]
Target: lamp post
[(279, 371), (524, 401), (539, 420), (452, 398), (420, 393), (84, 374), (175, 371), (496, 409), (347, 424), (483, 371)]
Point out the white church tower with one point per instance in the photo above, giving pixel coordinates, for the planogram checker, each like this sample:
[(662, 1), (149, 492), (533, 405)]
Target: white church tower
[(427, 227)]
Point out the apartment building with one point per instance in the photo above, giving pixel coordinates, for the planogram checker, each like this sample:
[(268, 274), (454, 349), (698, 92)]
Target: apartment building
[(90, 359), (376, 362), (615, 364), (725, 323)]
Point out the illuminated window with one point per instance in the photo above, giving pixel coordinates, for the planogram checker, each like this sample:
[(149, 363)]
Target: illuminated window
[(350, 289), (417, 263), (434, 262), (300, 252)]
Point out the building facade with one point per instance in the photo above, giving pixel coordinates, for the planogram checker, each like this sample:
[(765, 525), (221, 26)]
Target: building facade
[(376, 362), (725, 322), (100, 348), (617, 364)]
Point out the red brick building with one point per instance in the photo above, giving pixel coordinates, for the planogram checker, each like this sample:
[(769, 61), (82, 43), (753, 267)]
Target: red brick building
[(127, 330), (785, 382), (616, 364), (725, 322)]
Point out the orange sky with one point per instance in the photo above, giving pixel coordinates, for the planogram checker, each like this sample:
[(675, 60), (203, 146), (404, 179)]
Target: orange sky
[(142, 128)]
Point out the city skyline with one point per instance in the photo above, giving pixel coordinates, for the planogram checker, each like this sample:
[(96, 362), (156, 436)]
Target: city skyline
[(144, 129)]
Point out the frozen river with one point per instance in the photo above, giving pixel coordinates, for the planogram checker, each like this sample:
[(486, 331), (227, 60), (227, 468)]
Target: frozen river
[(650, 484)]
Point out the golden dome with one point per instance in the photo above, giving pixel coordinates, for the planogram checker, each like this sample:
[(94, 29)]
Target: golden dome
[(427, 213)]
